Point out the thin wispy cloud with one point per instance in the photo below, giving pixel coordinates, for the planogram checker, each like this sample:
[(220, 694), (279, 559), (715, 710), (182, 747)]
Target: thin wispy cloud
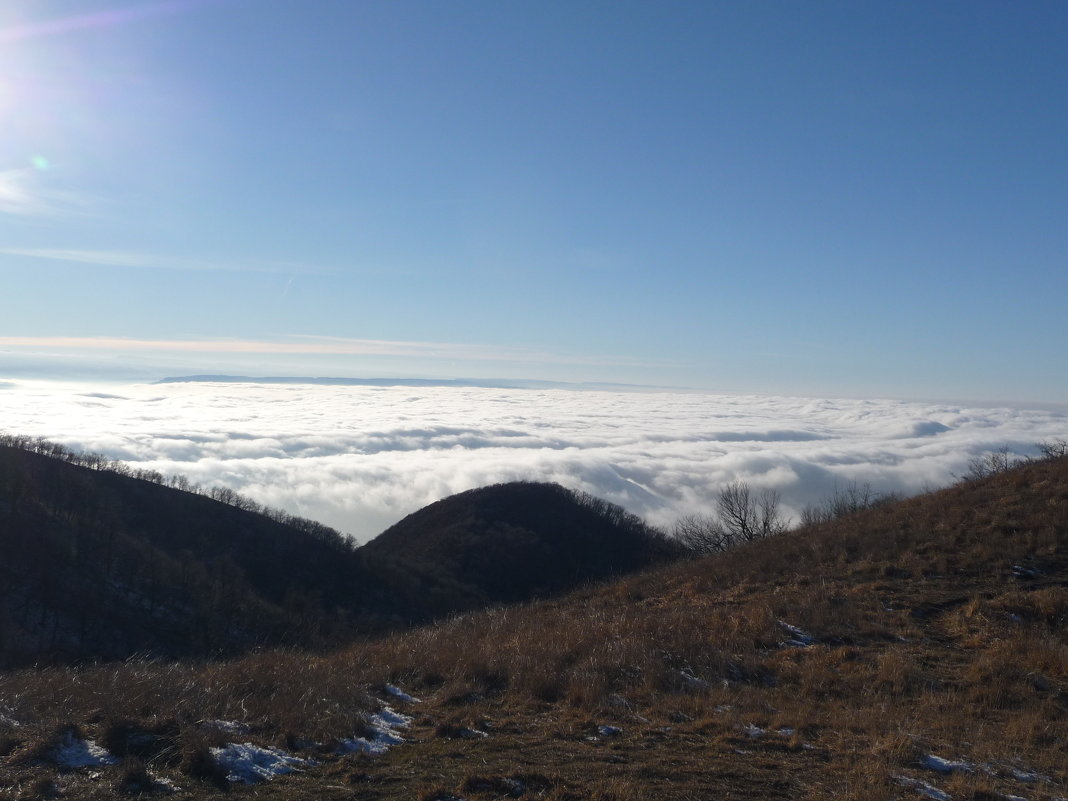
[(112, 258), (360, 458), (149, 261), (303, 346), (449, 350)]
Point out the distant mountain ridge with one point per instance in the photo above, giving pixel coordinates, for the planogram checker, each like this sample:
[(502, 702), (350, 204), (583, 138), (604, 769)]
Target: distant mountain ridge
[(477, 383)]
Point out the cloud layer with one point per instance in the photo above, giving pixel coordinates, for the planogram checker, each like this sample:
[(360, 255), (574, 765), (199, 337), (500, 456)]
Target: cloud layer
[(360, 458)]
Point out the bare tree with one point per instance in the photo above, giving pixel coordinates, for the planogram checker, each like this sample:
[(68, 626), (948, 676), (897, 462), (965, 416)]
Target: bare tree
[(740, 517), (991, 463), (701, 534), (747, 518), (1053, 449)]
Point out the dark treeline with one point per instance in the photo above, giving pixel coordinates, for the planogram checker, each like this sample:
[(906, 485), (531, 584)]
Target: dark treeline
[(99, 560), (101, 563), (97, 461)]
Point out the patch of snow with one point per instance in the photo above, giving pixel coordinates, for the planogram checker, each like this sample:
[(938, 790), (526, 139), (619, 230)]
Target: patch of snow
[(465, 733), (923, 787), (692, 681), (610, 731), (387, 718), (156, 784), (248, 763), (753, 731), (1028, 776), (801, 638), (7, 721), (227, 726), (163, 783), (944, 766), (383, 725), (785, 731), (362, 745), (400, 695), (73, 752), (516, 788)]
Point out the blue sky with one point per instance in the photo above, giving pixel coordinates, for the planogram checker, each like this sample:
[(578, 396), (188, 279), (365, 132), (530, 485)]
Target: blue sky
[(819, 198)]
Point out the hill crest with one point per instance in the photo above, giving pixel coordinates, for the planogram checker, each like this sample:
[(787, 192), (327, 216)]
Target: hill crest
[(516, 541)]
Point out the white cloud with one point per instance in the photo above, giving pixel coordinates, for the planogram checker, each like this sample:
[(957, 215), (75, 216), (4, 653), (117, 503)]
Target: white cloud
[(360, 458)]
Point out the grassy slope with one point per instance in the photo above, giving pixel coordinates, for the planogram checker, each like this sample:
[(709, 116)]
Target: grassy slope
[(940, 626)]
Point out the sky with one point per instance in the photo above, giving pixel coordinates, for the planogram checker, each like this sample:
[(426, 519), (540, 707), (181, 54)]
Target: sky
[(359, 458), (833, 199)]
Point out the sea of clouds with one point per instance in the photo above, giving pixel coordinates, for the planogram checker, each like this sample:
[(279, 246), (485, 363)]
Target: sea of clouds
[(360, 458)]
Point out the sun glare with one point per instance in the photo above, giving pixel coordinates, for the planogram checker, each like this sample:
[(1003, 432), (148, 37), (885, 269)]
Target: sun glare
[(7, 95)]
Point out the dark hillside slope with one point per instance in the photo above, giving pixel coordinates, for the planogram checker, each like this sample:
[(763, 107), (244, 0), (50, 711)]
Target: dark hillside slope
[(98, 564), (101, 565), (517, 541)]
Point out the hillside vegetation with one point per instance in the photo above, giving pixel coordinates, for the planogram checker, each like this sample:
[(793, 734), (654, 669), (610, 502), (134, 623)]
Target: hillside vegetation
[(514, 542), (917, 649), (100, 562)]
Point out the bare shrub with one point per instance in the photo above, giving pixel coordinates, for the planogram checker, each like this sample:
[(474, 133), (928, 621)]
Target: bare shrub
[(1053, 449), (741, 516), (847, 500), (701, 534), (197, 761), (991, 463)]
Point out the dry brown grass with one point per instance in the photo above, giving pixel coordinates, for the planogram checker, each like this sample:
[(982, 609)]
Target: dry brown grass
[(928, 639)]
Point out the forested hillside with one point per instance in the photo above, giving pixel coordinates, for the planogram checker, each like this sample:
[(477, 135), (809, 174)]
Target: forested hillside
[(513, 542), (99, 562)]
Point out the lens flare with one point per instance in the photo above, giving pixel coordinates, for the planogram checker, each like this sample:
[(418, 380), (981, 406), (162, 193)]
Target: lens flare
[(41, 163)]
